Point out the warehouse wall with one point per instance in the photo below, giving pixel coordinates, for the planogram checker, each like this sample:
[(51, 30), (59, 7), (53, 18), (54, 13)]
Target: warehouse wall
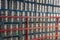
[(29, 8)]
